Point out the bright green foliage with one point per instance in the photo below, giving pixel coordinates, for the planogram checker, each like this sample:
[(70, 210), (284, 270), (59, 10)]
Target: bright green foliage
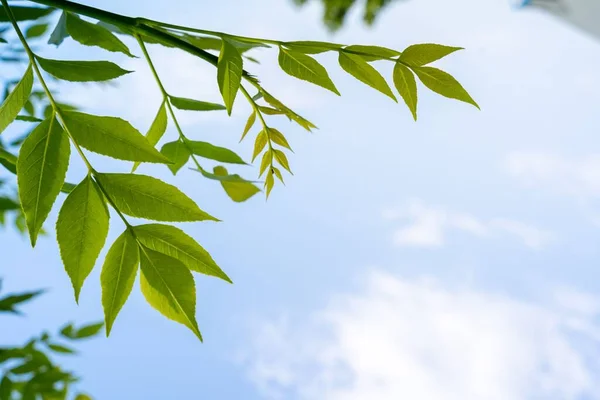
[(306, 68), (16, 100), (81, 71), (421, 54), (81, 231), (168, 286), (41, 170), (229, 73), (166, 254), (118, 275), (359, 68), (156, 131), (110, 136), (405, 83), (175, 243), (194, 105), (147, 197), (94, 35), (85, 332)]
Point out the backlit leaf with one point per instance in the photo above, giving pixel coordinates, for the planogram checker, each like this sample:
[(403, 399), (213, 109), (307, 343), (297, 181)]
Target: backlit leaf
[(282, 159), (405, 83), (237, 190), (175, 243), (361, 70), (229, 73), (41, 169), (156, 131), (249, 124), (88, 330), (111, 136), (178, 153), (61, 349), (16, 100), (212, 152), (59, 34), (259, 144), (421, 54), (444, 84), (371, 53), (36, 30), (312, 47), (304, 67), (147, 197), (81, 71), (118, 274), (278, 138), (81, 231), (265, 162), (194, 105), (303, 122), (90, 34), (269, 182), (169, 287)]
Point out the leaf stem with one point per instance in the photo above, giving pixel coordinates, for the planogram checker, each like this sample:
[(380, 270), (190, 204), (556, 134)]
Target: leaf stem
[(261, 118)]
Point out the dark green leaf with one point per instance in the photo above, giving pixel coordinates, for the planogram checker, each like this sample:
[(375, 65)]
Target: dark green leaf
[(405, 83), (371, 53), (444, 84), (60, 349), (24, 13), (6, 387), (41, 169), (157, 129), (81, 231), (8, 303), (229, 73), (178, 153), (90, 34), (212, 152), (59, 34), (194, 105), (7, 203), (147, 197), (175, 243), (36, 30), (169, 287), (361, 70), (304, 67), (238, 190), (421, 54), (27, 118), (111, 136), (81, 71), (16, 100), (118, 275), (88, 330)]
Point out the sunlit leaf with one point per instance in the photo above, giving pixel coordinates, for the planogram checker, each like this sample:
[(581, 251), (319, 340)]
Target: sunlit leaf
[(90, 34), (169, 287), (212, 152), (178, 153), (237, 190), (444, 84), (259, 144), (312, 47), (278, 138), (16, 100), (282, 159), (229, 73), (249, 124), (361, 70), (194, 105), (81, 231), (147, 197), (371, 53), (156, 131), (421, 54), (41, 169), (81, 71), (304, 67), (405, 83), (8, 303)]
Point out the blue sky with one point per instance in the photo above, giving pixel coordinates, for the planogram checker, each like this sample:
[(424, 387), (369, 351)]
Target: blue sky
[(452, 258)]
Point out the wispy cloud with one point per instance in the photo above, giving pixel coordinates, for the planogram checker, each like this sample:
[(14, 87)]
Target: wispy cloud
[(422, 340), (428, 226)]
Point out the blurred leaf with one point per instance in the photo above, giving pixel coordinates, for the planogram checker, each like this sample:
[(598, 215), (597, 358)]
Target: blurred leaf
[(237, 190), (6, 387), (24, 13), (81, 71), (61, 349), (36, 30)]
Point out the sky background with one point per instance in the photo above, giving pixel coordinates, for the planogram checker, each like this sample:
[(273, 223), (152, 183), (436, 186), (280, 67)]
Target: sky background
[(451, 258)]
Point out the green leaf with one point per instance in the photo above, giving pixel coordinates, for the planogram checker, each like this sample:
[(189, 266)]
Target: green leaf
[(88, 330), (36, 30), (278, 138), (7, 203), (277, 173), (312, 47), (147, 197), (68, 331), (16, 100), (282, 159), (371, 53), (421, 54), (8, 303), (81, 231), (24, 13), (270, 111), (67, 187), (237, 190), (361, 70), (269, 182), (90, 34), (177, 153), (405, 83), (444, 84), (303, 122), (169, 287), (59, 34), (304, 67), (229, 73), (61, 349), (194, 105), (82, 396), (157, 129), (81, 71), (265, 162), (41, 169), (111, 136), (6, 388), (259, 144), (221, 178), (249, 124), (28, 118), (118, 274), (212, 152), (172, 241)]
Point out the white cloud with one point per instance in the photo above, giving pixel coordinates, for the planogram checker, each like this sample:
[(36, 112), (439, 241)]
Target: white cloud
[(420, 340), (428, 227)]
